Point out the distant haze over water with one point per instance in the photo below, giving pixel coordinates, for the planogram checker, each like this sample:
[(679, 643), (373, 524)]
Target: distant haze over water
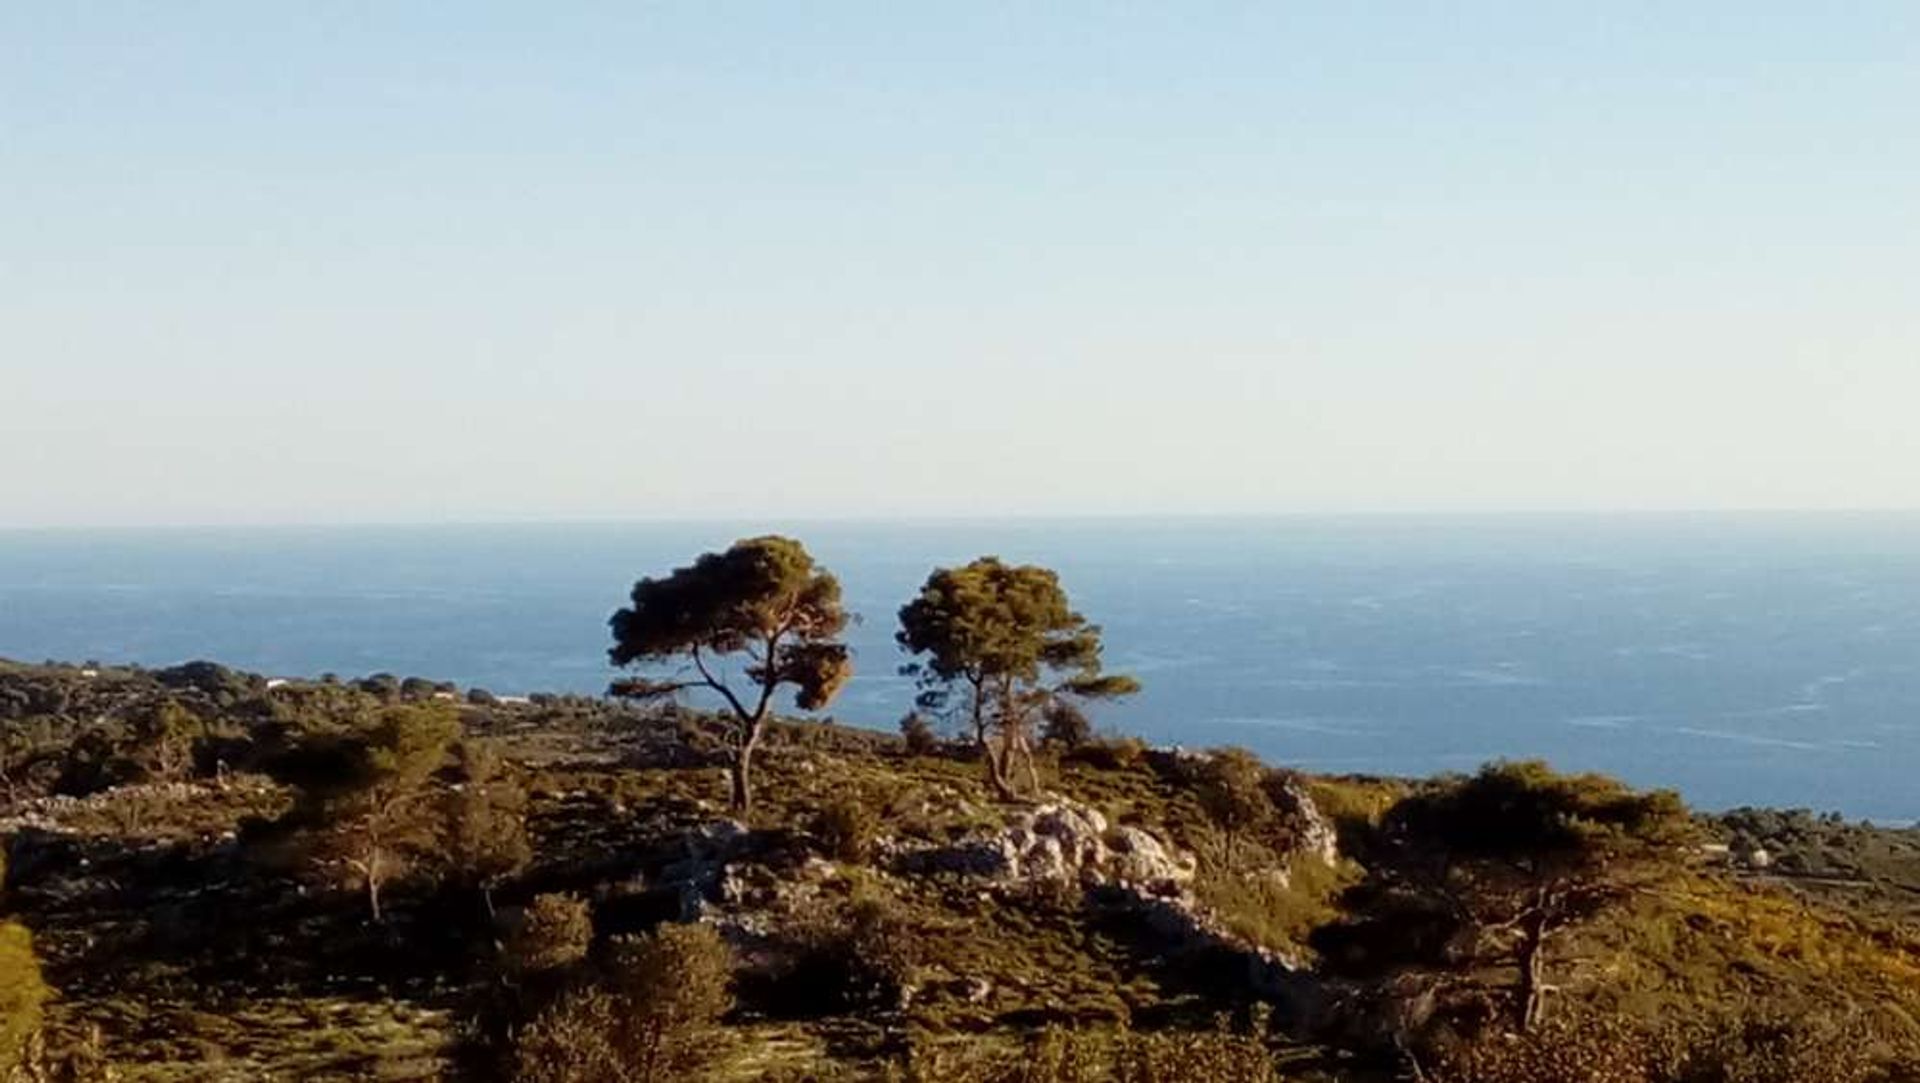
[(1743, 659)]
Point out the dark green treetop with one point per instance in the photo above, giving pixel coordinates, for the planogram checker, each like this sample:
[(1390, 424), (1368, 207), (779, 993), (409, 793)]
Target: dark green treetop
[(764, 598)]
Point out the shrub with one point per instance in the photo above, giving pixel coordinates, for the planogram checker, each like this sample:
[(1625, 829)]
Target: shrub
[(918, 734), (1066, 725), (847, 826), (553, 933), (1586, 1051), (652, 1016), (1274, 909), (1232, 790), (163, 741), (483, 834), (1111, 753), (571, 1042), (861, 956)]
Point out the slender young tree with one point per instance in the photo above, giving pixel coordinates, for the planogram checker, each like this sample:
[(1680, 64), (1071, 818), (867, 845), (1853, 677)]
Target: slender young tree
[(365, 791), (483, 833), (763, 599), (1000, 644)]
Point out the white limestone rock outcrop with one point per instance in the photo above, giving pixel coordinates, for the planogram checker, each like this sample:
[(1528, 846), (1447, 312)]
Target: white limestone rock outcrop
[(1060, 841)]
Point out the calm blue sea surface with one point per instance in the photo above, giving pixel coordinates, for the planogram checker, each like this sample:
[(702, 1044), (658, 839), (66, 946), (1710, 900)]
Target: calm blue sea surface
[(1742, 659)]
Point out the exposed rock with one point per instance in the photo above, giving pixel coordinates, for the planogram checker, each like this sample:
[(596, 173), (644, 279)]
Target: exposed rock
[(1061, 841), (1137, 858), (1315, 835), (1046, 859), (127, 806), (702, 873), (975, 990)]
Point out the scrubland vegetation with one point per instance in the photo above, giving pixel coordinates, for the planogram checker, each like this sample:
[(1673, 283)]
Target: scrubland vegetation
[(211, 877)]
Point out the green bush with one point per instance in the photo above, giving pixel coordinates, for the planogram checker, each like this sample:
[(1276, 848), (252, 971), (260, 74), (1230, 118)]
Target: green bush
[(918, 733), (553, 933), (847, 826), (1275, 910), (651, 1017), (1065, 725), (862, 955), (1110, 753), (573, 1041)]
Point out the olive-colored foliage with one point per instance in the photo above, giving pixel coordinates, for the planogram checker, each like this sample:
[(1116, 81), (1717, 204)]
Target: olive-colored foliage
[(763, 597), (1232, 790), (1065, 726), (364, 792), (22, 995), (165, 741), (483, 834), (918, 734), (1273, 907), (861, 955), (63, 732), (1111, 753), (998, 643), (847, 826), (651, 1017), (1521, 853), (573, 1041), (553, 933)]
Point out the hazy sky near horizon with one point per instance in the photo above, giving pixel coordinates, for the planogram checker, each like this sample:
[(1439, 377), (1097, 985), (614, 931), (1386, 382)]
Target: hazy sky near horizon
[(363, 261)]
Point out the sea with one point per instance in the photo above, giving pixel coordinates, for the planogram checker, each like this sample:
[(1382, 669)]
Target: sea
[(1742, 659)]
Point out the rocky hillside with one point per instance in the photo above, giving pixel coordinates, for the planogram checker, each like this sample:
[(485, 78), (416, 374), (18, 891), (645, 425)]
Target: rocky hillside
[(199, 914)]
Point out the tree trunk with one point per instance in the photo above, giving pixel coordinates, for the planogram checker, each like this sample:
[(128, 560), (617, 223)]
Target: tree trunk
[(1533, 969), (980, 720), (1026, 759), (373, 888), (741, 772), (997, 769)]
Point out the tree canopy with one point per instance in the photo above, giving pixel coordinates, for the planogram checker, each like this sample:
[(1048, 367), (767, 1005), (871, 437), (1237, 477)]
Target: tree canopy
[(764, 598), (363, 788), (1004, 639), (1519, 852)]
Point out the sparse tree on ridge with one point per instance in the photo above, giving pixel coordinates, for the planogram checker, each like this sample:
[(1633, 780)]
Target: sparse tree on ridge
[(1522, 853), (763, 598), (1000, 643), (1233, 792), (164, 740)]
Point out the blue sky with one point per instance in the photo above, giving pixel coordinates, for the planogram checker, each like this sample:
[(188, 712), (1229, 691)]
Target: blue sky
[(376, 262)]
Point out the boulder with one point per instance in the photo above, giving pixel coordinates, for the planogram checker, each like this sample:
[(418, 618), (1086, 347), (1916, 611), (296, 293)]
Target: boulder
[(1138, 858)]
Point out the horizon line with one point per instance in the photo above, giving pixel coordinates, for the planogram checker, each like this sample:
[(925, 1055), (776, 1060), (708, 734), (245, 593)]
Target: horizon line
[(954, 519)]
